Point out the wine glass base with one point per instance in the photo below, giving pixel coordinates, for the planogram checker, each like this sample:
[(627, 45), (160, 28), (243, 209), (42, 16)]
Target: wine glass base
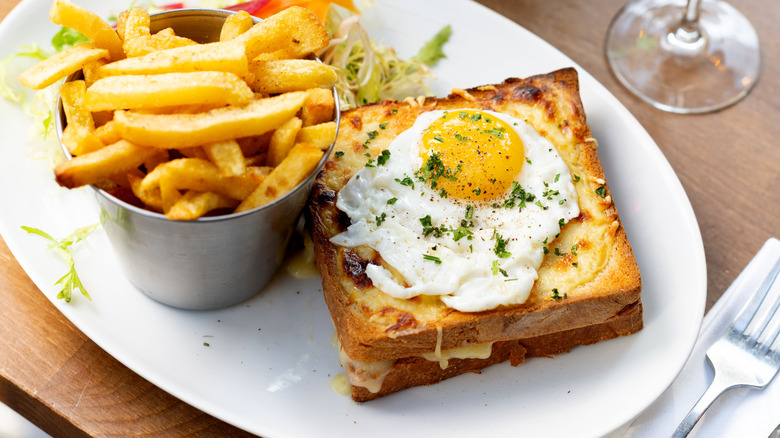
[(673, 70)]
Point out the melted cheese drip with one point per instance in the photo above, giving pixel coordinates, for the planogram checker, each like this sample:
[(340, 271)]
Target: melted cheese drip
[(476, 351), (301, 264), (340, 384), (371, 375)]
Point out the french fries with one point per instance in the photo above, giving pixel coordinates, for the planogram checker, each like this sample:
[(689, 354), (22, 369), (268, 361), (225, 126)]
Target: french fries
[(60, 65), (296, 166), (235, 25), (187, 130), (169, 89), (65, 13), (192, 129), (282, 76)]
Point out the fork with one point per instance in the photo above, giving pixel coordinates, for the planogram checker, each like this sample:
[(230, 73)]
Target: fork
[(744, 355)]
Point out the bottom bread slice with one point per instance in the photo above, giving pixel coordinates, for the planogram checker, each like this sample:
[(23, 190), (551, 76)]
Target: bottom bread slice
[(369, 381)]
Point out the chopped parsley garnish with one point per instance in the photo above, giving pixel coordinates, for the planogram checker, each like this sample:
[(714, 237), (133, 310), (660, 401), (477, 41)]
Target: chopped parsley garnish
[(428, 227), (338, 154), (371, 135), (561, 222), (575, 178), (443, 193), (382, 158), (461, 137), (405, 182), (558, 296), (528, 160), (550, 193), (469, 212), (500, 248), (392, 201), (601, 191), (477, 191), (557, 177), (473, 117), (558, 252), (496, 269), (495, 132), (518, 196), (383, 125), (460, 233), (574, 249), (432, 258), (438, 138), (434, 169), (380, 219)]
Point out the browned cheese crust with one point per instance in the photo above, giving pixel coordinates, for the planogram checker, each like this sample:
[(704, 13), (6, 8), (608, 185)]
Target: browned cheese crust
[(593, 267)]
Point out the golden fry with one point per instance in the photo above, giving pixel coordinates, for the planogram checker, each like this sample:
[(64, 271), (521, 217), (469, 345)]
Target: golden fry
[(108, 133), (97, 30), (223, 56), (90, 71), (227, 156), (200, 175), (272, 77), (136, 24), (196, 204), (301, 161), (318, 106), (152, 199), (297, 31), (154, 91), (282, 141), (78, 136), (185, 130), (144, 45), (321, 135), (168, 192), (121, 19), (92, 167), (235, 25), (60, 65)]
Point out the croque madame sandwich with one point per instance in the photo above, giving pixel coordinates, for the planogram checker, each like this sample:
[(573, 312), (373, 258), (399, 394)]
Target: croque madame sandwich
[(455, 233)]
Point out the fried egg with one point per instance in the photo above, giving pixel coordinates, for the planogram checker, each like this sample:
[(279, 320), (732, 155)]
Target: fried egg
[(460, 205)]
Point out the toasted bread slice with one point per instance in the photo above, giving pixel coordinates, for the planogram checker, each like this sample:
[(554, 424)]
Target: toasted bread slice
[(369, 381), (589, 277)]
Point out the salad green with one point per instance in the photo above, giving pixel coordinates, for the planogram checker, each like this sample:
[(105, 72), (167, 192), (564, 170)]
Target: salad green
[(369, 72), (70, 281)]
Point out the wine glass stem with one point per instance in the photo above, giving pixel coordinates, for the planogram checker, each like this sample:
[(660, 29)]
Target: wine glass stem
[(687, 39), (692, 13)]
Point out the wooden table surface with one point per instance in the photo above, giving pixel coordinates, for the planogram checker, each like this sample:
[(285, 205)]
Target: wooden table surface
[(728, 162)]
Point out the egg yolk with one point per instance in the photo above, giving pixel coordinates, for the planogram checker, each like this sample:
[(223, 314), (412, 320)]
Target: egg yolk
[(471, 155)]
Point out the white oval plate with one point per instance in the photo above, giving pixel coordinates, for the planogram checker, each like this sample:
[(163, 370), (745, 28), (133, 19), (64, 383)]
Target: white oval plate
[(270, 361)]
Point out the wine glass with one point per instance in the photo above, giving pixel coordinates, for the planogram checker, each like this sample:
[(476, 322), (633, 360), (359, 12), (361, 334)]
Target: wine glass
[(685, 58)]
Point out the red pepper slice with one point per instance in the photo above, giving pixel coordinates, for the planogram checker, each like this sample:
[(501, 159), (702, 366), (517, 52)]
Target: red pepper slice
[(250, 7)]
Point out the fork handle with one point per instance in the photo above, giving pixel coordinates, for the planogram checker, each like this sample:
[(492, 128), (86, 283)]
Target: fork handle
[(716, 388)]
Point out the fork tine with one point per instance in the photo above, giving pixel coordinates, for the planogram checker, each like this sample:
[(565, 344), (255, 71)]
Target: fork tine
[(771, 333), (749, 310), (765, 312)]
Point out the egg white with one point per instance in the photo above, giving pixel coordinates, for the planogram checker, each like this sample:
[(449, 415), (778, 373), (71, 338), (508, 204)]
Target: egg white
[(471, 276)]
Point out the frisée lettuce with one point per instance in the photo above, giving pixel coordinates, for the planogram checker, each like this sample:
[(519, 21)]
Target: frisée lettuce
[(369, 72)]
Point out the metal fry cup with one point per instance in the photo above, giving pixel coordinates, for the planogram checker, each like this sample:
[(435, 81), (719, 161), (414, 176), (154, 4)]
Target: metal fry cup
[(212, 262)]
